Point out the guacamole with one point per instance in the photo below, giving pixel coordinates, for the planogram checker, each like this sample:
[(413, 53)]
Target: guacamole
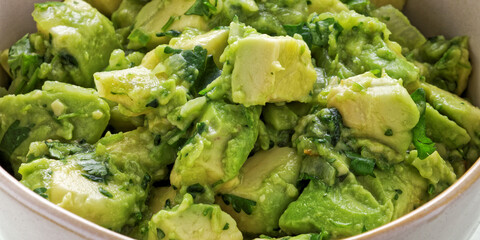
[(236, 119)]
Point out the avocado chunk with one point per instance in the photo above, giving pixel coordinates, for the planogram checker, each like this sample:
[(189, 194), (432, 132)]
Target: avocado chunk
[(58, 111), (161, 198), (376, 108), (78, 39), (219, 145), (107, 7), (443, 130), (267, 178), (193, 221), (456, 109), (342, 210), (151, 155), (271, 69), (309, 236), (347, 44), (85, 183), (214, 41), (401, 185), (435, 169), (133, 89), (159, 16), (321, 6), (444, 63)]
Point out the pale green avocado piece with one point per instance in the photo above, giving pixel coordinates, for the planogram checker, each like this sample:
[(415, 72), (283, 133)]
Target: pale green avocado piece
[(435, 169), (269, 179), (107, 7), (377, 108), (214, 41), (443, 130), (183, 116), (270, 69), (193, 221), (357, 44), (321, 6), (221, 142), (160, 16), (161, 198), (110, 203), (58, 111), (456, 109), (342, 210), (119, 60), (81, 40), (133, 89), (403, 32), (400, 185), (124, 16), (150, 154), (280, 117)]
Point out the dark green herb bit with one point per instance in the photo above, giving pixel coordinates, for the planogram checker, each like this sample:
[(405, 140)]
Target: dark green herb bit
[(389, 132), (145, 181), (424, 145), (154, 103), (41, 191), (431, 189), (360, 165), (168, 204), (168, 23), (226, 226), (13, 137), (208, 211), (201, 8), (96, 171), (239, 203), (160, 234), (195, 189), (169, 33), (105, 192)]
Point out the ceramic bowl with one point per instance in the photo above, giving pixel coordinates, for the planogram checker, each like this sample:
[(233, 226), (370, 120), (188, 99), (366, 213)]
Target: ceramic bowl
[(454, 214)]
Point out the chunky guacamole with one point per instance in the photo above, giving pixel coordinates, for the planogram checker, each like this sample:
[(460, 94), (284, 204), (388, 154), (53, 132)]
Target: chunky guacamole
[(236, 119)]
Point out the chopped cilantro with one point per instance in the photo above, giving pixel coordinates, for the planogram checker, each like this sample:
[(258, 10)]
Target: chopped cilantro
[(169, 23), (359, 165), (105, 192), (389, 132), (160, 234), (14, 136), (169, 33), (195, 189), (41, 191), (424, 145), (226, 226), (239, 203), (202, 8)]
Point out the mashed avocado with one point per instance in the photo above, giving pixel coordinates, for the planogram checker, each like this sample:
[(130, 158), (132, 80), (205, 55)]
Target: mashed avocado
[(235, 119)]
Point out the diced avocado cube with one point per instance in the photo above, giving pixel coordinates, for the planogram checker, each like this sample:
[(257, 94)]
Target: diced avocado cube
[(443, 130), (85, 185), (107, 7), (132, 88), (161, 198), (456, 109), (193, 221), (377, 108), (221, 142), (160, 16), (58, 111), (435, 169), (321, 6), (342, 210), (81, 40), (268, 178), (271, 69)]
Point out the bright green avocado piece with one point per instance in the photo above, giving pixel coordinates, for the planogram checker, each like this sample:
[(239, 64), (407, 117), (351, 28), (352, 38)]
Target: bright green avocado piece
[(88, 185), (343, 210), (221, 142), (107, 7), (321, 6), (435, 169), (357, 44), (270, 69), (269, 179), (193, 221), (456, 109), (81, 40), (443, 130), (151, 155), (376, 108), (58, 111), (160, 16)]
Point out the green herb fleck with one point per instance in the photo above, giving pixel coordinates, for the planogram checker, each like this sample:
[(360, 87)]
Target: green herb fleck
[(239, 203), (195, 189), (360, 165), (105, 192), (14, 136), (226, 226), (41, 191), (424, 145), (168, 23), (160, 234)]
